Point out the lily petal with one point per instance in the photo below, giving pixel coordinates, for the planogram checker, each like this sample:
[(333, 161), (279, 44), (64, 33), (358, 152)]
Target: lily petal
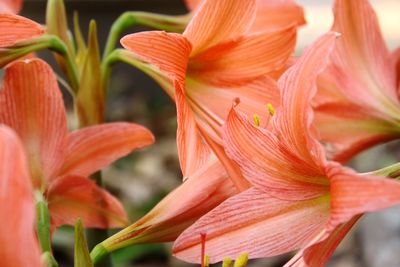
[(396, 58), (264, 53), (368, 71), (298, 86), (192, 150), (10, 6), (353, 194), (215, 22), (92, 148), (276, 14), (33, 106), (71, 197), (167, 51), (192, 4), (200, 193), (267, 164), (344, 134), (319, 253), (17, 231), (15, 28), (217, 100), (253, 222)]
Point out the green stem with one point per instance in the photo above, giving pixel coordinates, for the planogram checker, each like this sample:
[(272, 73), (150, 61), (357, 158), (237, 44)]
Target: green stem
[(96, 236), (155, 21), (43, 229), (122, 55), (392, 171), (35, 44), (98, 253)]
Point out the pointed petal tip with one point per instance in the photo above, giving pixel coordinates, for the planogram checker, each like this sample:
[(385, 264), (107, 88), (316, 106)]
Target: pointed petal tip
[(15, 28)]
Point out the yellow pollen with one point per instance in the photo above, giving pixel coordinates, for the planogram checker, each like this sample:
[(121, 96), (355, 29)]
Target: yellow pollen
[(256, 119), (271, 109), (227, 262), (206, 261), (241, 261)]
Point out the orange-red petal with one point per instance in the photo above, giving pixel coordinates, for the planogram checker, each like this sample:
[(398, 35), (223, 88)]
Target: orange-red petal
[(32, 104), (298, 87), (167, 51), (256, 223), (367, 70), (353, 194), (15, 28), (93, 148), (277, 14), (192, 4), (192, 150), (215, 22), (17, 231), (212, 104), (318, 253), (200, 193), (268, 165), (71, 197), (346, 130), (243, 59)]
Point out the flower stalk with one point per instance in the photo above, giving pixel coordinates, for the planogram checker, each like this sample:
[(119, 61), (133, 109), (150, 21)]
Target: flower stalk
[(43, 229)]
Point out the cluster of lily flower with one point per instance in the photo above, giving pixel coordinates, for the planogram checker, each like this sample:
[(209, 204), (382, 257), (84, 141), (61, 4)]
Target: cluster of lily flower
[(262, 136)]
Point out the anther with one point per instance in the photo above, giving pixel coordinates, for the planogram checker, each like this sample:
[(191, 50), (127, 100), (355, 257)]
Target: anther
[(256, 119), (271, 109)]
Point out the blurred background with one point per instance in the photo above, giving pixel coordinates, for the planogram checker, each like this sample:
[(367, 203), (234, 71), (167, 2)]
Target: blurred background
[(144, 177)]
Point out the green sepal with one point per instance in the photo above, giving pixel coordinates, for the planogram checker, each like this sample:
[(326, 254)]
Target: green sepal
[(81, 254), (90, 97)]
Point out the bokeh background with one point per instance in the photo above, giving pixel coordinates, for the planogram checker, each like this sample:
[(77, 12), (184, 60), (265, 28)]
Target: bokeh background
[(144, 177)]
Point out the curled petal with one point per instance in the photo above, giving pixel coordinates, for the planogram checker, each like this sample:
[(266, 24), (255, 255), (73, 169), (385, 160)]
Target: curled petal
[(253, 222), (15, 28), (215, 22), (298, 86), (72, 197), (93, 148), (17, 231)]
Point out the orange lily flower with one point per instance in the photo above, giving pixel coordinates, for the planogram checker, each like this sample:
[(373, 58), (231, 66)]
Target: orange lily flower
[(205, 190), (297, 193), (17, 231), (270, 15), (15, 28), (213, 62), (10, 6), (358, 105), (59, 161)]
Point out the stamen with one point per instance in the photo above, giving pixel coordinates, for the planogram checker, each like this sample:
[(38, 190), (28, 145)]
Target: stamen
[(206, 261), (241, 261), (256, 119), (203, 249), (227, 262), (271, 109)]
